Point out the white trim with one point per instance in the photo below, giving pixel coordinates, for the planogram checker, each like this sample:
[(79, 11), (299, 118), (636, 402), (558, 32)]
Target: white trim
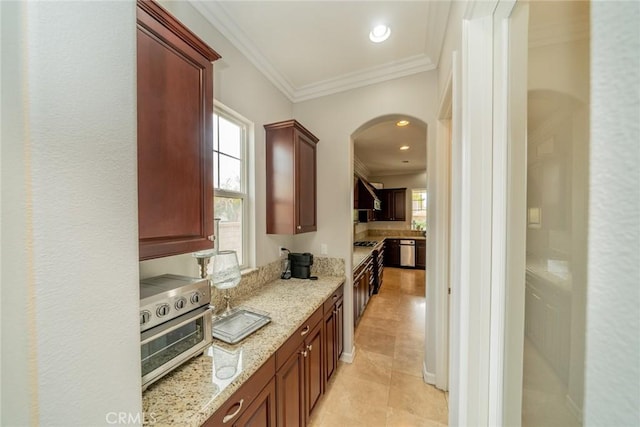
[(455, 267), (513, 140), (348, 357), (441, 237), (476, 209), (428, 377), (246, 193), (498, 224)]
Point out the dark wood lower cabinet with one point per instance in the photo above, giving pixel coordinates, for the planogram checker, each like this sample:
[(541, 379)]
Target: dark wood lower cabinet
[(262, 411), (254, 404), (362, 283), (300, 372), (333, 324), (289, 386), (392, 253), (421, 254), (314, 369)]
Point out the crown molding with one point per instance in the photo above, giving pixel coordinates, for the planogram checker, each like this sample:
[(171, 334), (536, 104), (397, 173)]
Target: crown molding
[(218, 16), (377, 74)]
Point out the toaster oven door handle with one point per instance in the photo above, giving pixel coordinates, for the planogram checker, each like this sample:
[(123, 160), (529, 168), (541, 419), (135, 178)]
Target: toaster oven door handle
[(173, 324)]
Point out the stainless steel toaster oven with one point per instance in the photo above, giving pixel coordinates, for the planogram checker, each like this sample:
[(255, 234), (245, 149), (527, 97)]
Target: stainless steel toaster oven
[(175, 323)]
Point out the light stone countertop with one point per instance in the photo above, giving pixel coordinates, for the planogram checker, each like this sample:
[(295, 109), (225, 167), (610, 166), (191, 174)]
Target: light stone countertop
[(189, 395)]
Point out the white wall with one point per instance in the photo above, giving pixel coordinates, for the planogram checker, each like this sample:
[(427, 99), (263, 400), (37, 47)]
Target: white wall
[(69, 217), (239, 85), (333, 119), (612, 386), (408, 181)]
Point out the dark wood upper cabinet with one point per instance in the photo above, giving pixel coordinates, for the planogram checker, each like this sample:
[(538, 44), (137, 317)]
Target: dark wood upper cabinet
[(291, 178), (393, 204), (175, 119)]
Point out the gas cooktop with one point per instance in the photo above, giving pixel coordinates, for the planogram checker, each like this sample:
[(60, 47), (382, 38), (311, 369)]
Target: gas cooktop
[(366, 243)]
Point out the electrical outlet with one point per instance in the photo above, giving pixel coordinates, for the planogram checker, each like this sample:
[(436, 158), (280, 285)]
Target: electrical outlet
[(323, 249), (280, 251)]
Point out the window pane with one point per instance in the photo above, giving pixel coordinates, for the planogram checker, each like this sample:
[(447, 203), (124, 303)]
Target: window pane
[(419, 209), (229, 237), (216, 169), (230, 137), (230, 172), (215, 131)]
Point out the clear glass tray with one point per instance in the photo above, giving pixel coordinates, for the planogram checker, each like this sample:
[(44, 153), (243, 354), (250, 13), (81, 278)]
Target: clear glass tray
[(238, 324)]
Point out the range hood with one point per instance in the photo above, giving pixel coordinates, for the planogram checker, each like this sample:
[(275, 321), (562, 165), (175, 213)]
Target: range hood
[(367, 198)]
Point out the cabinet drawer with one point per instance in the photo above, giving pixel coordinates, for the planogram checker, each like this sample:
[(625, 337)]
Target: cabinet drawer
[(241, 399), (298, 337), (329, 303)]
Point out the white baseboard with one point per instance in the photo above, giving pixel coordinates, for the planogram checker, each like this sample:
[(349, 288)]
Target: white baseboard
[(575, 410), (428, 377), (348, 357)]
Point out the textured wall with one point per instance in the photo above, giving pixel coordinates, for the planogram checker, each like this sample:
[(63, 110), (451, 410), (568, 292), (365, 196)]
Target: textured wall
[(613, 323), (74, 220)]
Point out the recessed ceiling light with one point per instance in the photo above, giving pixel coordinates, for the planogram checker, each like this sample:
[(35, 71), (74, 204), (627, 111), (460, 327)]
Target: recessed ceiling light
[(379, 33), (404, 147), (402, 123)]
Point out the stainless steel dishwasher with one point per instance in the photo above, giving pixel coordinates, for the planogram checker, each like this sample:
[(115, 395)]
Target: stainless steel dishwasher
[(407, 253)]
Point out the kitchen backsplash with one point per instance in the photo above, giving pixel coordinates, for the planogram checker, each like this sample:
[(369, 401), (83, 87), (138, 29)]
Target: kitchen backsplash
[(256, 278), (395, 233)]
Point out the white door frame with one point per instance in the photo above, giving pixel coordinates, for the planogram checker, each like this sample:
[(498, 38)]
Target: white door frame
[(480, 216)]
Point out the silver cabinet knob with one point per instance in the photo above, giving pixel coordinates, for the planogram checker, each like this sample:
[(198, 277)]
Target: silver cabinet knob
[(299, 227)]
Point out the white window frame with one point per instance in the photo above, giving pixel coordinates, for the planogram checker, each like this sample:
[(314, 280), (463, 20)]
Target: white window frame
[(424, 190), (246, 187)]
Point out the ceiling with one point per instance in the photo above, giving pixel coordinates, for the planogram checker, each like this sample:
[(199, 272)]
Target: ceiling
[(378, 147), (311, 48)]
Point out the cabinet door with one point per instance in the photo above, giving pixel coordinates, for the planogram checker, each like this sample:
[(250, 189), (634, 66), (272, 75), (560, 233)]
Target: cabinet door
[(392, 253), (330, 341), (175, 120), (262, 411), (290, 391), (386, 205), (290, 178), (305, 184), (314, 369), (356, 298), (421, 254), (399, 206), (339, 329)]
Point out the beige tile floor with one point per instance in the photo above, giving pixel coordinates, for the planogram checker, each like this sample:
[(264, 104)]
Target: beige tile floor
[(383, 386)]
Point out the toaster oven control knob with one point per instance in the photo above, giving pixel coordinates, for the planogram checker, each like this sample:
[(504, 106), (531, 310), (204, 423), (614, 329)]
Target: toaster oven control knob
[(162, 310), (181, 303), (145, 315), (195, 298)]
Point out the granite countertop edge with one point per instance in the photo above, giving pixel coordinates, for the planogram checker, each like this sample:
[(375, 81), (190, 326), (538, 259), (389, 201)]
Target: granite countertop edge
[(187, 397)]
